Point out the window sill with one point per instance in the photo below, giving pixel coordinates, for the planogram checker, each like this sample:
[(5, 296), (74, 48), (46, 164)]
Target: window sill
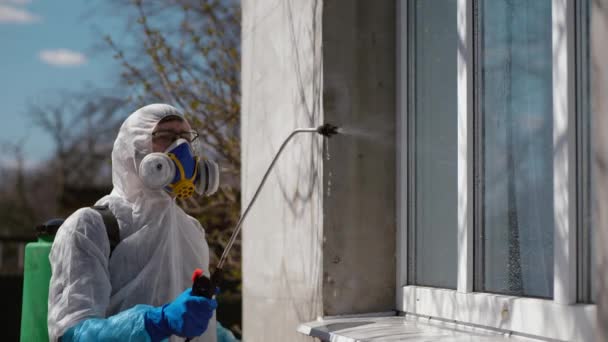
[(387, 327), (541, 318)]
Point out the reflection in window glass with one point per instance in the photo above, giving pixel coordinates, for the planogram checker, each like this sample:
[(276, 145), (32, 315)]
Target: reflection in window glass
[(516, 147), (433, 120)]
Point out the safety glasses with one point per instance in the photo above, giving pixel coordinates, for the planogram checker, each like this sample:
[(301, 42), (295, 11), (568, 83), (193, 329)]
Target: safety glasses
[(167, 137)]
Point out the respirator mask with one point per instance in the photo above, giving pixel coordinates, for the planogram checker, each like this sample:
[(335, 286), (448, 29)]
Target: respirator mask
[(179, 171)]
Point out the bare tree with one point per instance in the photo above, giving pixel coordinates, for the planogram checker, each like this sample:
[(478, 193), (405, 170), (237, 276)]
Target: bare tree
[(16, 212), (83, 128)]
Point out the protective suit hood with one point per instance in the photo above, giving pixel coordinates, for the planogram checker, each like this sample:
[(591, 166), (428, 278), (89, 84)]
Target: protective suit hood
[(133, 143), (160, 244)]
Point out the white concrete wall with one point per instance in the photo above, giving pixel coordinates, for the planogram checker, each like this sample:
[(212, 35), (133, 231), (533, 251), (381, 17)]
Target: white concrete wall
[(282, 237), (321, 238)]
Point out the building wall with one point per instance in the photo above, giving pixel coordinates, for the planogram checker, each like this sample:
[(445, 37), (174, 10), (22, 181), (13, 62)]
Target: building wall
[(322, 232), (282, 236)]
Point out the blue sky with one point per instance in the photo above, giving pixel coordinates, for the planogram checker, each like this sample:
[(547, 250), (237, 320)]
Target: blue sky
[(48, 47)]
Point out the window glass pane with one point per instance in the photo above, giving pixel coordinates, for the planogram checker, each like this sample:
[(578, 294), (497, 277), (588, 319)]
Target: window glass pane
[(433, 119), (515, 109)]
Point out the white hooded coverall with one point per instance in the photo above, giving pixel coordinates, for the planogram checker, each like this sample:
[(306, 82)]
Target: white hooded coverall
[(159, 249)]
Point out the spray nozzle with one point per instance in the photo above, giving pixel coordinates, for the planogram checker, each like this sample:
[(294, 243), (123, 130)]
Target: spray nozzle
[(327, 130)]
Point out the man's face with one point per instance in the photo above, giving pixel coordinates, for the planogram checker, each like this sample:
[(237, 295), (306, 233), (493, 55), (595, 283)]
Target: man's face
[(165, 133)]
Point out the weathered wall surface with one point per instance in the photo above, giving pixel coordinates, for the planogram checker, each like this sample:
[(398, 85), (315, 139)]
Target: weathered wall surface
[(359, 195), (281, 84)]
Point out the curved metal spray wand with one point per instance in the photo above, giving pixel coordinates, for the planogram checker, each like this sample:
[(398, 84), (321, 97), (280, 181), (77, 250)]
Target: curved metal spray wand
[(204, 286), (326, 130)]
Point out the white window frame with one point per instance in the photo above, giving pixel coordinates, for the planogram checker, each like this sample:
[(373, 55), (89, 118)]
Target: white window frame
[(559, 318)]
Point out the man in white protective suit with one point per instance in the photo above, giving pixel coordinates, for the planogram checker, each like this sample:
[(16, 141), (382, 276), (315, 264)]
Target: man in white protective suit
[(140, 288)]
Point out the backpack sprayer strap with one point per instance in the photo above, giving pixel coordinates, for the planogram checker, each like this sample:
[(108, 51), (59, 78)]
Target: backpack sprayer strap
[(109, 220)]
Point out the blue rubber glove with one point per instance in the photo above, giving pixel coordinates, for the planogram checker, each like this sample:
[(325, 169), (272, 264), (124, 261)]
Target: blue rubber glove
[(186, 316), (124, 326)]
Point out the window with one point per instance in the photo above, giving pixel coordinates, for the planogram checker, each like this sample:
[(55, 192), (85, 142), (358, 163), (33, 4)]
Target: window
[(515, 111), (433, 106), (498, 179)]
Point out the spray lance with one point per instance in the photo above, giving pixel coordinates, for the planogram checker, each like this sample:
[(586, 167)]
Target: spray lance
[(205, 287)]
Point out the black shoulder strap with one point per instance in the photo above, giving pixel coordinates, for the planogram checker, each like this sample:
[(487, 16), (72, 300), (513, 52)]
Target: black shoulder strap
[(109, 220)]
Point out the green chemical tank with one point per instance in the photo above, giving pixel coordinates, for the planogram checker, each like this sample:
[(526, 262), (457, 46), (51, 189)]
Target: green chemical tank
[(36, 278)]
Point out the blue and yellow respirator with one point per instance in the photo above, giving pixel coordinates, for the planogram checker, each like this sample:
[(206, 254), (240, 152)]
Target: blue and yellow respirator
[(179, 171)]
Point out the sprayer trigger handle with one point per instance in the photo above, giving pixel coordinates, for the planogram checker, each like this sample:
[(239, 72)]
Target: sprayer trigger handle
[(201, 285)]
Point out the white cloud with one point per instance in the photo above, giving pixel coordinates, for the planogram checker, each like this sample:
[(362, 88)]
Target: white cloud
[(62, 57), (14, 15)]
